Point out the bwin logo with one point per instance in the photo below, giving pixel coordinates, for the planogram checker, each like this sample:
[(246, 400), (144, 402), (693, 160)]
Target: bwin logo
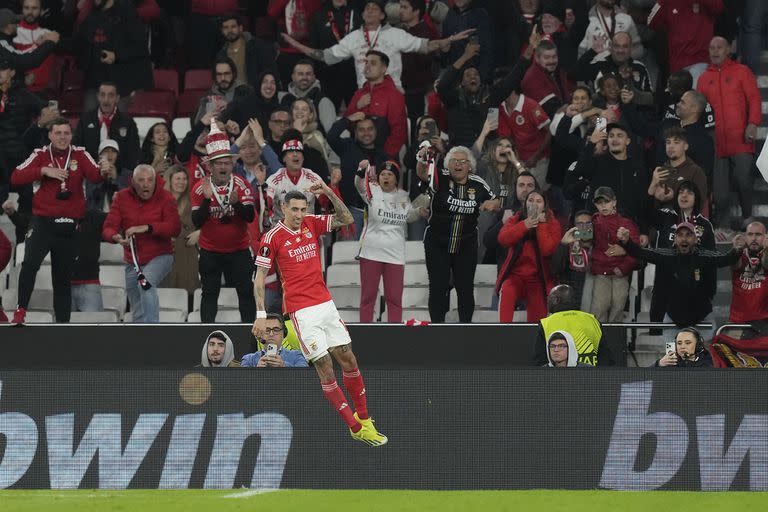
[(117, 466), (718, 462)]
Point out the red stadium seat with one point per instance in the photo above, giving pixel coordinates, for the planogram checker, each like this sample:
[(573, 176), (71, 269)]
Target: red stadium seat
[(71, 103), (187, 104), (73, 80), (198, 79), (152, 104), (166, 80)]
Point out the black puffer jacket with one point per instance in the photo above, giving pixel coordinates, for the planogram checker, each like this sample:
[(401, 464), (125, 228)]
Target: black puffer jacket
[(21, 106)]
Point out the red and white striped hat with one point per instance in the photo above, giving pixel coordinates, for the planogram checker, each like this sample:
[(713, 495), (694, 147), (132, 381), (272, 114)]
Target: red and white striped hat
[(217, 143)]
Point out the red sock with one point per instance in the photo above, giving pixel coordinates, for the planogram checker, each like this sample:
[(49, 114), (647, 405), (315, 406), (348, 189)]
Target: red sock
[(339, 402), (353, 381)]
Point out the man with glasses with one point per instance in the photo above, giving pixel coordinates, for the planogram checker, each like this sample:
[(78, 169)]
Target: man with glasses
[(450, 240), (565, 317), (272, 353), (222, 91), (561, 351)]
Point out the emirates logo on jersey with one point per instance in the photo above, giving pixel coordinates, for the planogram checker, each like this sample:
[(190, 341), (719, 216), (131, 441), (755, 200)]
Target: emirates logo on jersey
[(304, 253)]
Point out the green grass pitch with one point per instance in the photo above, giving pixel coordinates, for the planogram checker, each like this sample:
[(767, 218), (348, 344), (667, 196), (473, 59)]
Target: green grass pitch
[(374, 501)]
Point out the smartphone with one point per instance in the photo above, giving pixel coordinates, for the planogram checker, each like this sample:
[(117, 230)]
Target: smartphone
[(53, 104), (270, 349), (670, 349), (432, 130), (493, 115), (533, 211), (583, 234), (674, 174), (602, 124)]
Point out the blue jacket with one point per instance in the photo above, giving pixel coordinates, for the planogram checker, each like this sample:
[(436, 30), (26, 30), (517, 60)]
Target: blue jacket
[(292, 358)]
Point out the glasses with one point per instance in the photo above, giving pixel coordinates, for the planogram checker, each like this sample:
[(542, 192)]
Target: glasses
[(273, 330), (460, 161), (558, 346), (284, 122)]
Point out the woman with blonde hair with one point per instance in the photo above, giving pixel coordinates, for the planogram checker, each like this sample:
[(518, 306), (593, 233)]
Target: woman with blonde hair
[(305, 120), (184, 272)]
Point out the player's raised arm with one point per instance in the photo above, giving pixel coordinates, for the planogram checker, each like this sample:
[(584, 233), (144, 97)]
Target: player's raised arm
[(342, 217)]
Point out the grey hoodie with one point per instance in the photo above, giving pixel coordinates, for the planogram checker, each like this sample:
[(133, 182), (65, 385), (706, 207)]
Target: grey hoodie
[(229, 351), (573, 354)]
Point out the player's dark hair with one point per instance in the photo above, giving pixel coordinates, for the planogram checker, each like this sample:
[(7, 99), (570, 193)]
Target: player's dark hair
[(294, 194), (676, 132), (383, 56)]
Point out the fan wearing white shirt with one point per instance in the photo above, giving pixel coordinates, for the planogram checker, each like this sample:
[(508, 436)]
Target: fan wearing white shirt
[(374, 34), (382, 251)]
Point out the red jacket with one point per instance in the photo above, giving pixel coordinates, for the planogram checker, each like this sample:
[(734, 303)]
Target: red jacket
[(539, 85), (387, 102), (160, 211), (689, 26), (732, 91), (44, 202), (604, 229), (523, 263)]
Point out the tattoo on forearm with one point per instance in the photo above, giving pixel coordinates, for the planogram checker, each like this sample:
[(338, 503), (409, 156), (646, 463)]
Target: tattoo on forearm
[(342, 217)]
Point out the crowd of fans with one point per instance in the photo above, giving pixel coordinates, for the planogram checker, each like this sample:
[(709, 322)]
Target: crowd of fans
[(565, 141)]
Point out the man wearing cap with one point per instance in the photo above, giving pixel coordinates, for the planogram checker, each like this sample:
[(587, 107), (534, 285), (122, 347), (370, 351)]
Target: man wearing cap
[(605, 161), (689, 300), (375, 34), (109, 121), (144, 219), (115, 178), (22, 60), (291, 177), (222, 208), (57, 208)]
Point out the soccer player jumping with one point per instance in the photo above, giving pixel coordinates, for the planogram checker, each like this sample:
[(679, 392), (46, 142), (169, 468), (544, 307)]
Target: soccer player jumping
[(293, 244)]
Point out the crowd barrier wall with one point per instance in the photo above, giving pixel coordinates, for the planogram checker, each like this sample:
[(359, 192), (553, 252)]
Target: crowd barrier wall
[(448, 428)]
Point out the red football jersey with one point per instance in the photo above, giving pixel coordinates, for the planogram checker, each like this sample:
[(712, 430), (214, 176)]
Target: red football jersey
[(297, 254), (232, 234), (750, 290)]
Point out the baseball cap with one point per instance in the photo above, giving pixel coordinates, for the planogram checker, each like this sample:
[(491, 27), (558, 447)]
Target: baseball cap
[(606, 193), (109, 143), (685, 225), (7, 17)]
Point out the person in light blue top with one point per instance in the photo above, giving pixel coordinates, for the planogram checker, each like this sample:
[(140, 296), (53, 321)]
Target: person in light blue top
[(273, 354)]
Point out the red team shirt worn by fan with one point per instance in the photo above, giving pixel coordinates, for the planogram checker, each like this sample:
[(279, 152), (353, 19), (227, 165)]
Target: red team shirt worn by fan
[(44, 203), (749, 289), (224, 237), (297, 254)]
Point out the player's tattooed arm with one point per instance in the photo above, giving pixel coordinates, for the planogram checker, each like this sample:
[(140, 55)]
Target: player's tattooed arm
[(258, 288), (342, 217)]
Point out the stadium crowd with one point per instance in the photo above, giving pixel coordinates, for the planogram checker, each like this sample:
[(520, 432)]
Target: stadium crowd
[(561, 141)]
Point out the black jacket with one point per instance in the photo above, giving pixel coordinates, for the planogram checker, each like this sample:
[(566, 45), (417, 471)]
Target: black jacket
[(467, 114), (704, 360), (23, 61), (351, 153), (259, 57), (687, 300), (628, 179), (118, 30), (122, 129), (21, 106), (86, 267)]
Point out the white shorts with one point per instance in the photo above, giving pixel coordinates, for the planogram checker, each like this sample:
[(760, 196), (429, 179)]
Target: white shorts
[(319, 328)]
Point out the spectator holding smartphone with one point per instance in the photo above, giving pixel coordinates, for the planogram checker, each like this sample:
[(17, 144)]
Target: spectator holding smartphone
[(273, 354), (679, 168), (531, 236), (688, 350), (611, 267), (572, 260)]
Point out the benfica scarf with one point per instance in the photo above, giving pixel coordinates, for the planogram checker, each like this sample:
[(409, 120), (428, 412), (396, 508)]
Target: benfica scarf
[(728, 352)]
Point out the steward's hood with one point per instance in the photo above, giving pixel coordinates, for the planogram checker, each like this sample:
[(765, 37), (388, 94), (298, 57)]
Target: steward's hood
[(573, 355)]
